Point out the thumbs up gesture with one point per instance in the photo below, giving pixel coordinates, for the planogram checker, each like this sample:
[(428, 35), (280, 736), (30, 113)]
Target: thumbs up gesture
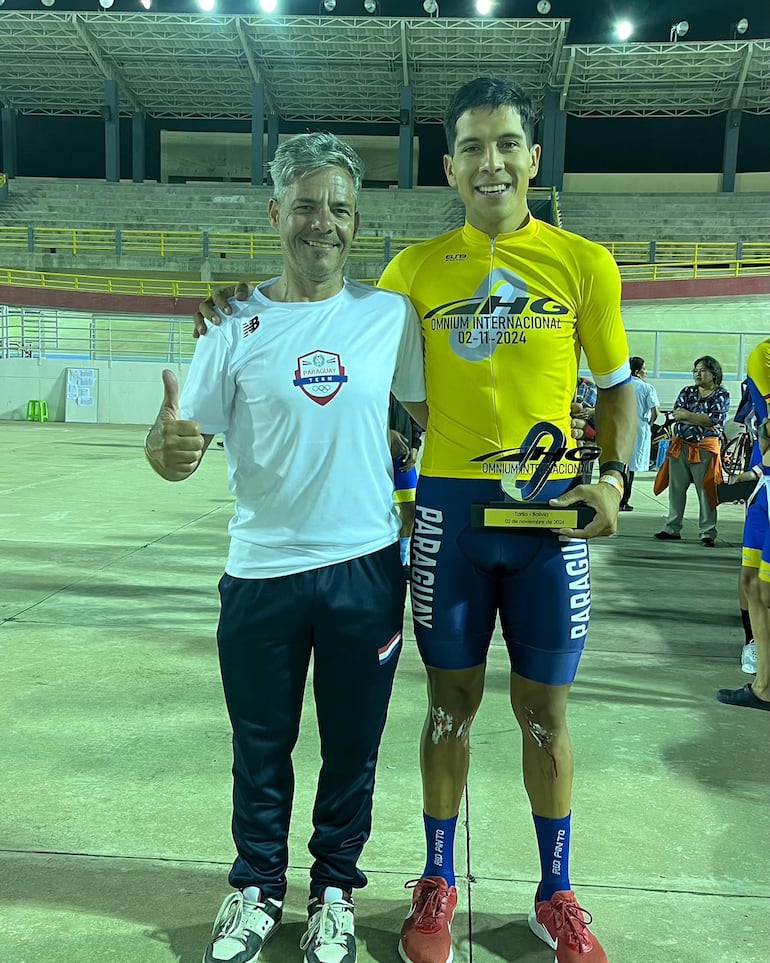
[(173, 447)]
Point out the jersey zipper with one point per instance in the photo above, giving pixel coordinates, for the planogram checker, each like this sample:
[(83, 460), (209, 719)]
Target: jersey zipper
[(492, 381)]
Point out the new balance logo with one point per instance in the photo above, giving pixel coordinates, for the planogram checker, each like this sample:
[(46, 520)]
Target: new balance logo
[(249, 327)]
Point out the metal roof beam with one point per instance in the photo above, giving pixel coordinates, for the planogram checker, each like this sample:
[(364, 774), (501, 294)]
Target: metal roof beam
[(256, 72), (747, 55), (404, 56), (567, 78), (560, 41), (109, 70)]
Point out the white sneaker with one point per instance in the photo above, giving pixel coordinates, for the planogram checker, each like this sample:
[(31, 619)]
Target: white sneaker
[(330, 937), (749, 658), (242, 928)]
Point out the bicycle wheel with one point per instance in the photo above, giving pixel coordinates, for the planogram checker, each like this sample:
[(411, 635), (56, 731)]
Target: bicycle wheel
[(735, 458), (746, 449)]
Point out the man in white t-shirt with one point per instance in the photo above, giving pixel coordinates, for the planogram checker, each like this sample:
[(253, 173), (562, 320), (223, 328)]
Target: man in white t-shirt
[(298, 378)]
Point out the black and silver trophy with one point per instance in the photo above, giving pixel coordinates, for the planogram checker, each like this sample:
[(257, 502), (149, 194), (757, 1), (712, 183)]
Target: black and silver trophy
[(541, 469)]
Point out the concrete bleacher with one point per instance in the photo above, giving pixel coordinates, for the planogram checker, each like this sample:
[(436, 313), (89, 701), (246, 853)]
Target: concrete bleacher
[(668, 217), (214, 207), (223, 208), (424, 212)]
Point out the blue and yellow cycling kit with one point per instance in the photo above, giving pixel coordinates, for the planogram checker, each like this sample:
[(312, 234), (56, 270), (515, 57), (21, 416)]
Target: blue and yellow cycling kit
[(756, 531), (504, 322)]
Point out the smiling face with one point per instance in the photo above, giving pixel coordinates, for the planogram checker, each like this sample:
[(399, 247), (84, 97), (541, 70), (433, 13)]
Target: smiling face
[(491, 168), (317, 221)]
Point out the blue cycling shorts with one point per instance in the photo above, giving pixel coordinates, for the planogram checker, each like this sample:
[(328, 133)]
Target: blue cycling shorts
[(756, 532), (462, 578), (404, 482)]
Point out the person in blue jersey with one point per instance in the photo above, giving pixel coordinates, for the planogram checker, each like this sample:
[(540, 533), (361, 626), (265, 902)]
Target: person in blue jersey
[(755, 568)]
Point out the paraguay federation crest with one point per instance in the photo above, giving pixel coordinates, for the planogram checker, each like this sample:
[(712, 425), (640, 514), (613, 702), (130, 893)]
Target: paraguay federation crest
[(320, 375)]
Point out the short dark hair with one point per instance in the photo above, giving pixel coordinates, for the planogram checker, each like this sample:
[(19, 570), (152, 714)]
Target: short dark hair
[(491, 92), (713, 366), (636, 363)]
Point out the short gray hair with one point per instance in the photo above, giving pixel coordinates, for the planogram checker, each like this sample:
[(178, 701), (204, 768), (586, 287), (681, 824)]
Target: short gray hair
[(308, 153)]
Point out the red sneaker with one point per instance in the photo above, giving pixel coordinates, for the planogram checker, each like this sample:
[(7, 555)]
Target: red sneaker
[(426, 934), (563, 925)]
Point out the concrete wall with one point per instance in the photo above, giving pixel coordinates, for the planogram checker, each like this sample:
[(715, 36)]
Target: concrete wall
[(130, 393), (730, 315), (198, 155), (662, 183)]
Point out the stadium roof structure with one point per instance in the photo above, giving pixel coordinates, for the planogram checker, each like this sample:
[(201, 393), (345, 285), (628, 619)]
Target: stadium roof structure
[(350, 69)]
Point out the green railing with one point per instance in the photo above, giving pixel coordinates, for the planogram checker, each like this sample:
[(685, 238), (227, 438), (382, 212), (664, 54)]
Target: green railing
[(638, 260)]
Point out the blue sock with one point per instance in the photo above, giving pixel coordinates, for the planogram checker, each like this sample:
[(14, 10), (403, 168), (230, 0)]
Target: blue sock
[(440, 837), (553, 843), (403, 544)]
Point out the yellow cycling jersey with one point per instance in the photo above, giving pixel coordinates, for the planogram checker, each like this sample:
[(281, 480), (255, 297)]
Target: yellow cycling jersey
[(758, 372), (504, 320)]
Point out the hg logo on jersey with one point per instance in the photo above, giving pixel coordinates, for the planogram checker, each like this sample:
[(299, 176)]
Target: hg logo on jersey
[(320, 375)]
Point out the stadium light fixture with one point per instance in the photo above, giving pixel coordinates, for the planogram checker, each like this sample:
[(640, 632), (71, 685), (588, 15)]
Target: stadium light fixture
[(329, 6), (483, 7), (739, 29), (544, 7), (371, 6), (207, 6), (623, 30), (268, 6), (106, 4), (147, 4), (679, 30), (48, 3), (430, 7)]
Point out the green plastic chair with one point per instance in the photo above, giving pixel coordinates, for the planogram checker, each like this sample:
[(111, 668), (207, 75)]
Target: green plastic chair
[(37, 410)]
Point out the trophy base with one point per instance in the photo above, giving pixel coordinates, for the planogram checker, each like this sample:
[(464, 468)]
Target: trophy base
[(529, 515)]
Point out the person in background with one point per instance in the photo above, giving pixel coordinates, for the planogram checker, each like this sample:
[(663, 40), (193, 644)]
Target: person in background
[(584, 407), (694, 455), (647, 405), (755, 568), (405, 440), (745, 414)]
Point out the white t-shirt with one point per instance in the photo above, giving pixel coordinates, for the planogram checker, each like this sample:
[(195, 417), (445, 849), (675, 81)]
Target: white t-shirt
[(300, 391)]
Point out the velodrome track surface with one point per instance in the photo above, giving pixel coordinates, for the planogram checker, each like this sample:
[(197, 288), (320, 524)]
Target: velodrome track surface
[(114, 838)]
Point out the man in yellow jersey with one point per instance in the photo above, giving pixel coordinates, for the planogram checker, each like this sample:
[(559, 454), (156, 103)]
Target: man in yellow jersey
[(506, 304), (755, 570)]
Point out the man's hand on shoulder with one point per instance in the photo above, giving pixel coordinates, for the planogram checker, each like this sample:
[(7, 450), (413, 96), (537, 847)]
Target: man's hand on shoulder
[(207, 309), (173, 447)]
